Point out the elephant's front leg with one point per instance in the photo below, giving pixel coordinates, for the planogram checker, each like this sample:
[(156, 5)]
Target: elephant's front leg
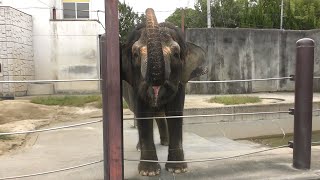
[(175, 152), (148, 150)]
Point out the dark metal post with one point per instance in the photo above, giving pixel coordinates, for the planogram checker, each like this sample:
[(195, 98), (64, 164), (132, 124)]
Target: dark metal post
[(112, 100), (182, 19), (54, 13), (303, 104)]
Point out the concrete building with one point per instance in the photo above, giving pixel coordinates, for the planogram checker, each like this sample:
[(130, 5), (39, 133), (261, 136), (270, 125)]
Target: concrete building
[(64, 42)]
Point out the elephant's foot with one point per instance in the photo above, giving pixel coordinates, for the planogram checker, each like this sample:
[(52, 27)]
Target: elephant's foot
[(149, 169), (164, 141), (177, 168), (176, 155)]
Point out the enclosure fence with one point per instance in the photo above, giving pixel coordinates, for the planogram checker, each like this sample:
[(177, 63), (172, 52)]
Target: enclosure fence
[(291, 111), (302, 111)]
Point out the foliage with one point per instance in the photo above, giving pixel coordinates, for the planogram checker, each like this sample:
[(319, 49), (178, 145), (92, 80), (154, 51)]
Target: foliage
[(127, 20), (233, 100), (298, 14)]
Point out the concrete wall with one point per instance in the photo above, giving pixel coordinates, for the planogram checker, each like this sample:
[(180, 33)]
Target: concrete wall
[(75, 55), (16, 51), (253, 125), (249, 54)]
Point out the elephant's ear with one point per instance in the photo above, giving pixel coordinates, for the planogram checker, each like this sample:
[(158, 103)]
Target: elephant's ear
[(195, 63)]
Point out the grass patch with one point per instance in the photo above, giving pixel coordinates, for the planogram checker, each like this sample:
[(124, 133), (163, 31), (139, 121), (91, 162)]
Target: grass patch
[(5, 137), (233, 100), (75, 101)]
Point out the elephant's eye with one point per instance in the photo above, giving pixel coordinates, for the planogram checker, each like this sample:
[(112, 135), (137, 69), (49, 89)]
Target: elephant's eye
[(176, 55), (135, 55)]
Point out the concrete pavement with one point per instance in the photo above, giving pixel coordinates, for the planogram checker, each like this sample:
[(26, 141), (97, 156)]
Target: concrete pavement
[(70, 147), (74, 146)]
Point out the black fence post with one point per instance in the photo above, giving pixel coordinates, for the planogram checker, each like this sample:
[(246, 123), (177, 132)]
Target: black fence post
[(111, 95), (303, 104)]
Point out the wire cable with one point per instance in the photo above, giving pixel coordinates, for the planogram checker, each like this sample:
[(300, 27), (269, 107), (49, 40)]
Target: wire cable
[(51, 129), (208, 115), (99, 20), (135, 160), (208, 159), (143, 118), (53, 171), (195, 82), (48, 81), (44, 3), (240, 80)]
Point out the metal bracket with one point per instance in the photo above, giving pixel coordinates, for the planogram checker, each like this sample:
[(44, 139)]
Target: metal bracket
[(292, 77), (290, 143), (291, 111)]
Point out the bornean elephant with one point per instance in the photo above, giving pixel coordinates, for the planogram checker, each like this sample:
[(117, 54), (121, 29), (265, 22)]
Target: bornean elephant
[(156, 65)]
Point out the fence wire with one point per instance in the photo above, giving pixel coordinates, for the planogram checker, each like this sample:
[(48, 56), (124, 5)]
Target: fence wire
[(53, 171), (170, 117), (135, 160), (49, 81), (241, 80), (50, 129), (145, 118), (209, 115), (207, 159), (192, 82)]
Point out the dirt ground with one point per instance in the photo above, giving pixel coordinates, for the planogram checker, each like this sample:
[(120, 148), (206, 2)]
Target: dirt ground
[(21, 115)]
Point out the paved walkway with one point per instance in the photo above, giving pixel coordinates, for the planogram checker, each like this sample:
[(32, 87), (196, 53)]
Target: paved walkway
[(70, 147)]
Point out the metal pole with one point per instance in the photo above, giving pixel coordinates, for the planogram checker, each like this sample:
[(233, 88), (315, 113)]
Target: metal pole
[(112, 100), (182, 20), (54, 13), (281, 18), (208, 14), (303, 104)]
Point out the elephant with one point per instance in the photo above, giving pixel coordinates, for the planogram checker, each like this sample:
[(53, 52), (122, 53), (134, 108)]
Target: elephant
[(156, 64)]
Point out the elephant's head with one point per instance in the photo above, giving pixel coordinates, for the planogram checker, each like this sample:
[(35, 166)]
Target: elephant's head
[(156, 61)]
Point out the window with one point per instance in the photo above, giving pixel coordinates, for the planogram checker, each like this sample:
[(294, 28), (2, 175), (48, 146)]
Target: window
[(76, 9)]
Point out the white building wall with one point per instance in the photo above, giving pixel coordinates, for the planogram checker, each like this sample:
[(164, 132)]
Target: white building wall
[(55, 42), (75, 54)]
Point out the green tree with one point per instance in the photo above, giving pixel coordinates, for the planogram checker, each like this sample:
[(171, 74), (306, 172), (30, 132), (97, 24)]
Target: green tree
[(298, 14), (127, 20), (194, 18)]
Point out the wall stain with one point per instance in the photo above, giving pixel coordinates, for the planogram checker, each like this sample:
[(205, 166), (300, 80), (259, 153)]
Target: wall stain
[(80, 69)]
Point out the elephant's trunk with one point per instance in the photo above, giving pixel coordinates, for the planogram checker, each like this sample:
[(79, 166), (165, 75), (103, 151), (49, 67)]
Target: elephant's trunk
[(156, 65)]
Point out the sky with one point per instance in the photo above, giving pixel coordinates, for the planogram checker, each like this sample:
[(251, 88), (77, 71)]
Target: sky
[(162, 8)]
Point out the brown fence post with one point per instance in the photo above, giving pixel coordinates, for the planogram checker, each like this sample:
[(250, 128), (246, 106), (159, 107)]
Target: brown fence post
[(111, 95), (303, 104)]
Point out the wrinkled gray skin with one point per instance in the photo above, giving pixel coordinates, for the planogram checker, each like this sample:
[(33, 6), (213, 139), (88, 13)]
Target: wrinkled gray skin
[(156, 65)]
